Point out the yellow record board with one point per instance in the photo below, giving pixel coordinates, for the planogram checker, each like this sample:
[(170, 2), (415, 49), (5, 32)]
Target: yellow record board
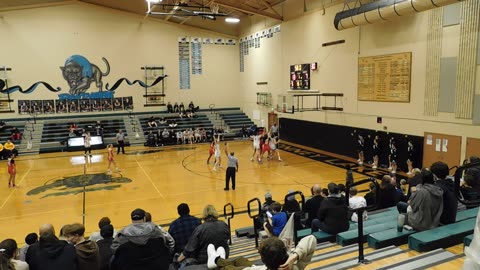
[(385, 77)]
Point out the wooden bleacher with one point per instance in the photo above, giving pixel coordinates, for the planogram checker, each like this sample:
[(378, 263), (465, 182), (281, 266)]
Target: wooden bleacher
[(235, 120)]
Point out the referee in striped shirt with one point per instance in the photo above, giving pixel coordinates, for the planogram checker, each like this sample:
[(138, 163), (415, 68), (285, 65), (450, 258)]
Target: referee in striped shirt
[(232, 169)]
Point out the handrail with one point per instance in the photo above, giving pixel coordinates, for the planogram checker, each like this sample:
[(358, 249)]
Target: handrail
[(253, 217), (232, 214), (296, 214), (359, 211)]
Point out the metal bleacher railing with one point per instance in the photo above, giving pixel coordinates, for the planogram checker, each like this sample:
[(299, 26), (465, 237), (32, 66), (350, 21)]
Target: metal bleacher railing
[(229, 216)]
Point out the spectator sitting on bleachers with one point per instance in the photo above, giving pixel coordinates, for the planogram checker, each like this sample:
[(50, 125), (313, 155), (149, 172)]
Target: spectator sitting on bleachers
[(96, 236), (172, 123), (15, 134), (165, 136), (211, 231), (265, 208), (2, 124), (9, 149), (182, 113), (388, 193), (425, 205), (140, 245), (30, 239), (471, 184), (192, 107), (415, 180), (291, 205), (88, 255), (324, 192), (357, 202), (273, 253), (50, 252), (182, 228), (203, 132), (332, 216), (189, 113), (440, 171), (277, 220), (9, 251), (151, 139), (162, 121), (151, 122), (169, 107), (313, 204), (175, 108), (169, 241), (399, 196), (198, 135), (106, 232), (71, 133), (370, 196), (244, 132)]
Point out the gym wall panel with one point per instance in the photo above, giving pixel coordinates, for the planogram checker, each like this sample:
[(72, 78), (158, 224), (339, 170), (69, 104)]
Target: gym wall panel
[(341, 140), (448, 73), (451, 15), (41, 39)]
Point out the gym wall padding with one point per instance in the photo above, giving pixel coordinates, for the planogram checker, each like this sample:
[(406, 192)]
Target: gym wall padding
[(342, 140)]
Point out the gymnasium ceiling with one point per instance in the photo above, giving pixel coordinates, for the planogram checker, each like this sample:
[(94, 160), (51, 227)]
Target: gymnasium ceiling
[(234, 8)]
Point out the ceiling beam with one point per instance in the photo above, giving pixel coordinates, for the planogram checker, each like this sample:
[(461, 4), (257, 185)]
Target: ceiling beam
[(246, 9), (269, 7)]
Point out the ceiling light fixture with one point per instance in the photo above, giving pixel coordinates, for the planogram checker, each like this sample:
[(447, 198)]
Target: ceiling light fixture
[(232, 20)]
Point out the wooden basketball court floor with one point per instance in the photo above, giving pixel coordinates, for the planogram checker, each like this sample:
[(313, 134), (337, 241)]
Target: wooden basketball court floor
[(157, 180)]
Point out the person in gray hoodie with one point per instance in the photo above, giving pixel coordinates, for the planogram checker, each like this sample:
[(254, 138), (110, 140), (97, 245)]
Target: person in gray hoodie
[(140, 246), (425, 205)]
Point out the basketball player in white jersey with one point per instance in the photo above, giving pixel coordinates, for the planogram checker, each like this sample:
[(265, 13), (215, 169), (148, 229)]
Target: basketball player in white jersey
[(217, 153), (256, 147)]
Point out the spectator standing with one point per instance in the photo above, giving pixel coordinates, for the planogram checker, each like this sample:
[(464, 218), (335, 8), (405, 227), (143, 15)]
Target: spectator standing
[(120, 141), (182, 228)]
